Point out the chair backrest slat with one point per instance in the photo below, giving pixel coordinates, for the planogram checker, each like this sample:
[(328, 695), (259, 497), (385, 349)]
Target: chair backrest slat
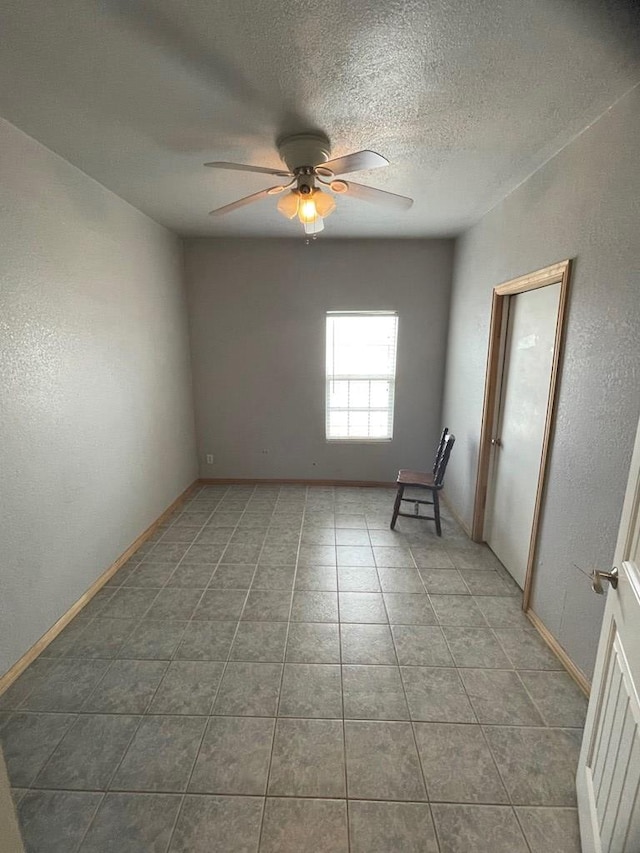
[(442, 462), (439, 450)]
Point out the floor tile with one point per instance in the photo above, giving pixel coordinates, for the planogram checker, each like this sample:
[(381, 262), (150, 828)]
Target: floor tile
[(318, 555), (311, 690), (382, 762), (304, 826), (457, 764), (498, 698), (103, 638), (161, 756), (431, 558), (443, 582), (213, 824), (400, 580), (206, 641), (421, 645), (388, 538), (538, 765), (249, 536), (67, 686), (66, 639), (234, 756), (409, 609), (483, 829), (458, 610), (153, 640), (282, 554), (350, 521), (469, 555), (363, 607), (399, 558), (475, 647), (215, 535), (318, 536), (89, 754), (127, 688), (358, 579), (55, 821), (502, 611), (249, 689), (188, 687), (260, 641), (274, 577), (485, 582), (132, 823), (308, 759), (129, 603), (220, 605), (378, 827), (557, 697), (314, 607), (174, 603), (526, 649), (267, 606), (313, 642), (322, 578), (28, 740), (34, 676), (548, 829), (211, 553), (354, 555), (168, 552), (191, 576), (367, 644), (154, 575), (352, 537), (436, 694), (373, 693), (223, 518)]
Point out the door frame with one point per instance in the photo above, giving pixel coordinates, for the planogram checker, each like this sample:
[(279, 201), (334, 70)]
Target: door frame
[(558, 273)]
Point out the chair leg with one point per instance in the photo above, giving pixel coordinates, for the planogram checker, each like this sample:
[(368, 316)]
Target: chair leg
[(436, 512), (396, 506)]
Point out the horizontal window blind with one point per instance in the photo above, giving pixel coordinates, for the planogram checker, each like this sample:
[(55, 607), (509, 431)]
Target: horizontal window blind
[(360, 375)]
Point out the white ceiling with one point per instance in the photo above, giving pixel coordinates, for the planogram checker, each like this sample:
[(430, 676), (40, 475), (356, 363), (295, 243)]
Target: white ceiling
[(465, 97)]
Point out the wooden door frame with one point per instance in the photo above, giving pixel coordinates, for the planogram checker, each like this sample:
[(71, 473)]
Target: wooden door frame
[(555, 274)]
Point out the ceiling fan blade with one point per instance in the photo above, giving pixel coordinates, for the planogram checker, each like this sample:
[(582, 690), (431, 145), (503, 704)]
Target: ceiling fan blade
[(357, 162), (398, 202), (248, 199), (242, 167)]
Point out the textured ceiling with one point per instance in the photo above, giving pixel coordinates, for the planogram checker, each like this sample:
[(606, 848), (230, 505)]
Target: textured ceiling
[(465, 97)]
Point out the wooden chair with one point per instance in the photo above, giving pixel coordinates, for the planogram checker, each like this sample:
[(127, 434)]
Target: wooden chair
[(431, 481)]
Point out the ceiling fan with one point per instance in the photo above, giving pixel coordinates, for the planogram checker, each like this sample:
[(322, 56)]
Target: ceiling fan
[(309, 169)]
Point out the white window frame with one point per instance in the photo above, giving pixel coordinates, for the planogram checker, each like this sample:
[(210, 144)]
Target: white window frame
[(390, 378)]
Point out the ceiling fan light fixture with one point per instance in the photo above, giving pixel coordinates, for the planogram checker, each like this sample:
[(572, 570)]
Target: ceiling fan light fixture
[(313, 228), (325, 204), (288, 204)]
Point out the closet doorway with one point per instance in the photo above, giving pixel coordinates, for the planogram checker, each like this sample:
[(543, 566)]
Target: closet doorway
[(525, 339)]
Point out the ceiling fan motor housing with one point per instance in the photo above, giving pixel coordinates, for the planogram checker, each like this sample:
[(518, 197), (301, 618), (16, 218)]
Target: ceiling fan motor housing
[(304, 149)]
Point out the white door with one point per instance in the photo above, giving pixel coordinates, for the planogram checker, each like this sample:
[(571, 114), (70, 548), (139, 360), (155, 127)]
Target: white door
[(524, 396), (608, 778)]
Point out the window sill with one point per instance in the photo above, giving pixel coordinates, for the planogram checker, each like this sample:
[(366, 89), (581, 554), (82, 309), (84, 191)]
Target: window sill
[(358, 440)]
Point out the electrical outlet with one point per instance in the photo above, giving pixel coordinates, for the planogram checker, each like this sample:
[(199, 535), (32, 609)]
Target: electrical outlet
[(209, 458)]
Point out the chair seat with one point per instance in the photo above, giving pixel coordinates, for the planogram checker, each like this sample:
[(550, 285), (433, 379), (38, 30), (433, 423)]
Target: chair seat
[(414, 478)]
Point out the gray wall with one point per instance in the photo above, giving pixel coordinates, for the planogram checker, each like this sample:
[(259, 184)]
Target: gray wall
[(584, 204), (257, 312), (96, 422)]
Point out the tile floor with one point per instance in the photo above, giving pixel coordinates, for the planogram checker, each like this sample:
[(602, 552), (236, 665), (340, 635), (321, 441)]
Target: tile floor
[(277, 671)]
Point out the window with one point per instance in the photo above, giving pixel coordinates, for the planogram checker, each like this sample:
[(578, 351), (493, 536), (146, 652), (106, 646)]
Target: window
[(361, 373)]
